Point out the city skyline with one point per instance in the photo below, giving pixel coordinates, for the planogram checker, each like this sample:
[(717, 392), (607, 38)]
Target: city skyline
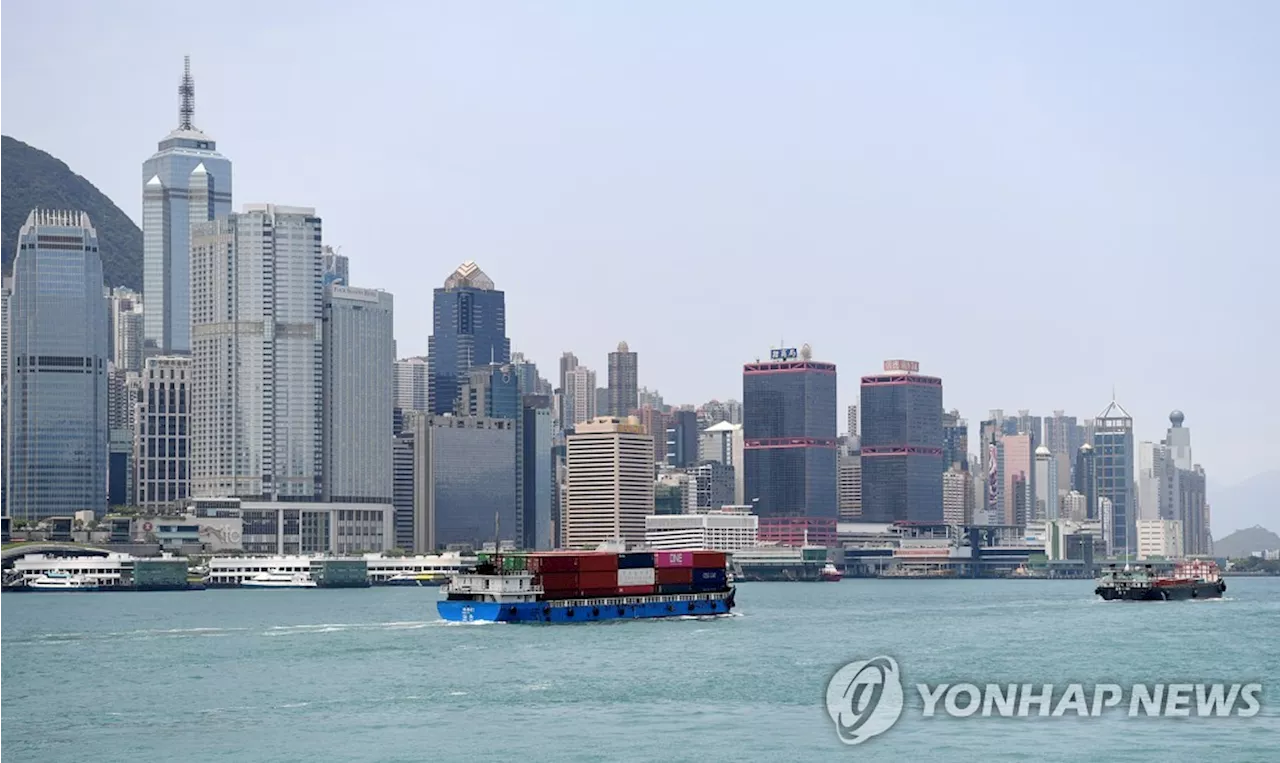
[(247, 130)]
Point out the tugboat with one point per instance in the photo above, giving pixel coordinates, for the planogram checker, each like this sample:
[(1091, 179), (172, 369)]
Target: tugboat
[(830, 574), (1194, 579)]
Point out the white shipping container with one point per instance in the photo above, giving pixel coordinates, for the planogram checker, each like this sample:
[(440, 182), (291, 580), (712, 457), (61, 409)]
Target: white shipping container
[(640, 576)]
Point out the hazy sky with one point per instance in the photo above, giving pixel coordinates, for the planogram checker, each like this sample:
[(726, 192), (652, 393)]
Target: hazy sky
[(1037, 201)]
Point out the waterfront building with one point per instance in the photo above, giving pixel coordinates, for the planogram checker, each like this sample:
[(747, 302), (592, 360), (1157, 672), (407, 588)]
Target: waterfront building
[(682, 438), (1114, 455), (723, 442), (579, 396), (56, 402), (1159, 539), (465, 481), (162, 433), (470, 328), (297, 527), (185, 183), (727, 528), (403, 489), (623, 381), (901, 445), (359, 353), (257, 311), (610, 488), (789, 430)]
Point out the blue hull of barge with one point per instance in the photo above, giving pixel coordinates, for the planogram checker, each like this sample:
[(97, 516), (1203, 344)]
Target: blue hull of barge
[(569, 611)]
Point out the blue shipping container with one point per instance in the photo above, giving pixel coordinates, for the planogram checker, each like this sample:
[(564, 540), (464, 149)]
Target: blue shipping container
[(635, 561), (708, 579)]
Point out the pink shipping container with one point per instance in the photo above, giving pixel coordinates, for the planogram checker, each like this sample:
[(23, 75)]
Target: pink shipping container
[(663, 559)]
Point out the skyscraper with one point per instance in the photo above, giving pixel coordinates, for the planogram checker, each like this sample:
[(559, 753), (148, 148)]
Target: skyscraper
[(185, 183), (411, 384), (465, 480), (125, 311), (1114, 463), (1084, 479), (723, 442), (1046, 485), (849, 491), (682, 438), (162, 433), (609, 482), (470, 329), (901, 445), (537, 484), (1017, 464), (336, 267), (490, 390), (852, 421), (955, 441), (623, 381), (257, 355), (57, 396), (359, 363), (789, 429), (579, 396)]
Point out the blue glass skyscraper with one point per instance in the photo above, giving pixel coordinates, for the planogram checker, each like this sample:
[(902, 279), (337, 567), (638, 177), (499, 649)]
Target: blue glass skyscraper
[(186, 182), (470, 329), (57, 396), (1113, 455), (902, 445)]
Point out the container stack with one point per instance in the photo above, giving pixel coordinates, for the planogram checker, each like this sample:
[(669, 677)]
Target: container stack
[(598, 574)]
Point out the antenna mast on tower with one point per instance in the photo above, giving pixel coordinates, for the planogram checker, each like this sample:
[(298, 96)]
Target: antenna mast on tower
[(187, 97)]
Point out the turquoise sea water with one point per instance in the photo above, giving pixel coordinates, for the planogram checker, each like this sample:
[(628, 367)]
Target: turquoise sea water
[(373, 675)]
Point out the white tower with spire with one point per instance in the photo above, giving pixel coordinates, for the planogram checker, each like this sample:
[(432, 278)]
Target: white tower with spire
[(186, 182)]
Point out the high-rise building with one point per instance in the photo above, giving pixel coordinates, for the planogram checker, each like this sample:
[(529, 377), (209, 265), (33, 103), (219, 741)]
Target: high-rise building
[(1075, 506), (610, 488), (955, 496), (125, 315), (359, 354), (1159, 538), (465, 481), (849, 488), (1187, 499), (579, 396), (257, 311), (411, 384), (1031, 425), (654, 422), (492, 391), (1045, 485), (1114, 460), (653, 399), (470, 329), (1157, 482), (1063, 434), (527, 374), (1017, 464), (537, 491), (955, 441), (57, 398), (568, 362), (901, 445), (723, 442), (186, 183), (623, 381), (403, 490), (162, 433), (1178, 440), (1084, 479), (789, 427), (6, 289), (682, 438), (713, 485), (852, 421), (335, 266)]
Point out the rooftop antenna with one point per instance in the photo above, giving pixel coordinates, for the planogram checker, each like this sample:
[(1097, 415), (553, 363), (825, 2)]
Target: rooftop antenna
[(187, 94)]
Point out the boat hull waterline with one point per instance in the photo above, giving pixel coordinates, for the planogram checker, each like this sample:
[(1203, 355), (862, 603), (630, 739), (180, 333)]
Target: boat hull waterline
[(586, 611)]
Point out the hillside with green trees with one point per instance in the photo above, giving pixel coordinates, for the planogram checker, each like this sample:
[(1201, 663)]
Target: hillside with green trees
[(30, 178)]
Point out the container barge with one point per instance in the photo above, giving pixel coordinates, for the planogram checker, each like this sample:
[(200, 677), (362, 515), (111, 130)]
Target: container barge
[(579, 587), (1196, 579)]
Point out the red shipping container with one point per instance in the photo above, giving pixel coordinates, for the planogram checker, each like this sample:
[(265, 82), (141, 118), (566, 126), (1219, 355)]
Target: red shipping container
[(673, 575), (599, 580), (598, 593), (636, 590), (559, 582), (709, 559), (553, 563), (672, 559), (598, 562)]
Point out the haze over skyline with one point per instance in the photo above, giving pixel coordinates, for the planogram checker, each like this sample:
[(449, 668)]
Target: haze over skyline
[(1036, 203)]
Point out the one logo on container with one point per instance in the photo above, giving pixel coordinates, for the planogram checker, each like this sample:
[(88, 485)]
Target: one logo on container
[(864, 699)]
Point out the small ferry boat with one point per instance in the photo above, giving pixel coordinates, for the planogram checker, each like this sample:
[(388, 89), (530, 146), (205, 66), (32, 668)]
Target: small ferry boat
[(1193, 579), (830, 574), (278, 579), (416, 579), (62, 581), (581, 587)]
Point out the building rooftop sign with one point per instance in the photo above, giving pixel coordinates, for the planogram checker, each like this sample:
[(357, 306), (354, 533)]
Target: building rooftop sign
[(909, 366), (785, 353)]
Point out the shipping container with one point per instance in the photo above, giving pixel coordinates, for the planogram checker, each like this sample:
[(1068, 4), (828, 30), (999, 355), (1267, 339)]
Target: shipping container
[(553, 563), (636, 590), (708, 579), (597, 580), (635, 560), (636, 577), (672, 559), (675, 588), (514, 562), (670, 575), (557, 581), (597, 593), (598, 562), (708, 559)]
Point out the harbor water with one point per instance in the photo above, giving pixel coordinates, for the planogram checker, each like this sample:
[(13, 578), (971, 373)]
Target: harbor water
[(374, 675)]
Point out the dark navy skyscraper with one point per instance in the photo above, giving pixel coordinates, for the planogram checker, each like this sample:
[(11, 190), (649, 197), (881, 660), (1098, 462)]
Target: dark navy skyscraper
[(789, 428), (902, 442), (470, 330)]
